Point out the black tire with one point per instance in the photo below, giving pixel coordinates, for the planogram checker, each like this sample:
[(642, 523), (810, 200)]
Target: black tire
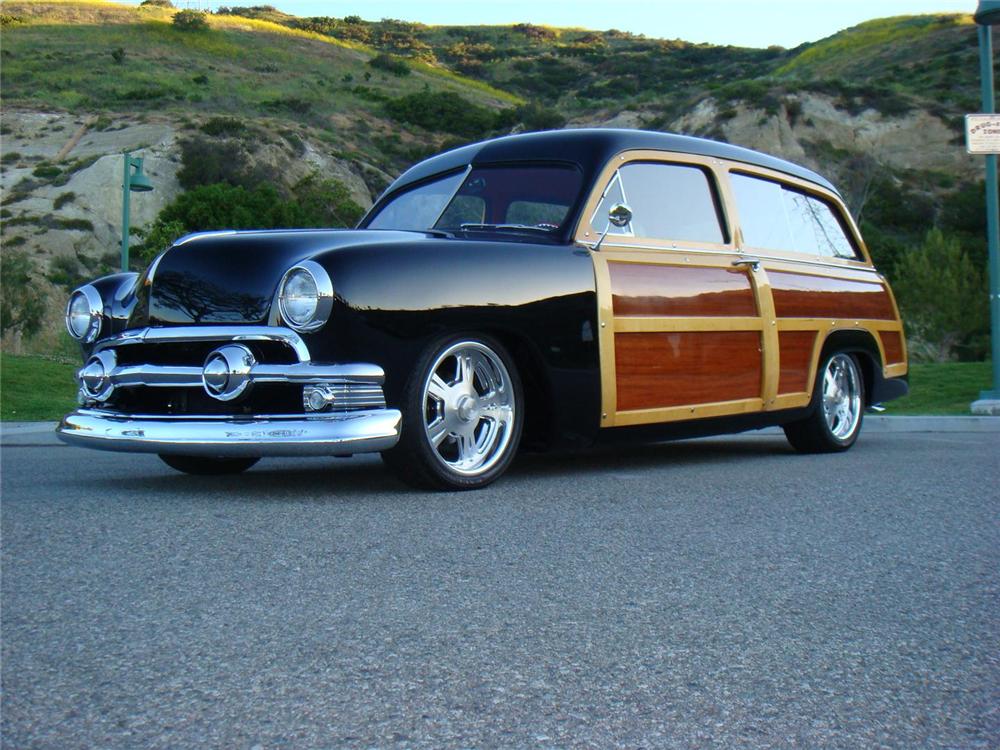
[(461, 423), (837, 410), (208, 465)]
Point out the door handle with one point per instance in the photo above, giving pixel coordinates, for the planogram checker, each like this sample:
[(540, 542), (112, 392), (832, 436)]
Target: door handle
[(754, 263)]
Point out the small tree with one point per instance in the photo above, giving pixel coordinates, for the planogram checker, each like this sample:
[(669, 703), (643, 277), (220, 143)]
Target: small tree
[(942, 296), (23, 302), (190, 20)]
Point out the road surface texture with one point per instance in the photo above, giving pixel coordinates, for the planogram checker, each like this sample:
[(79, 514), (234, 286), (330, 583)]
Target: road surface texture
[(722, 592)]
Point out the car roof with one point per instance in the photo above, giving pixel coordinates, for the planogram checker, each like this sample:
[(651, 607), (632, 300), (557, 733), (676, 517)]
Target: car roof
[(590, 149)]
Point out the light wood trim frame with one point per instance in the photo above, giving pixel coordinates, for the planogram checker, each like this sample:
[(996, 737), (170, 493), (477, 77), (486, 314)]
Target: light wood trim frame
[(629, 249)]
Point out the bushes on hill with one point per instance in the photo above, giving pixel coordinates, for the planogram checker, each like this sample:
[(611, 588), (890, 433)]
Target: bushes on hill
[(190, 20), (443, 111), (390, 64), (314, 202)]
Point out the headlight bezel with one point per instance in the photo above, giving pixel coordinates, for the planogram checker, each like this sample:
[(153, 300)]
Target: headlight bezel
[(324, 297), (95, 311)]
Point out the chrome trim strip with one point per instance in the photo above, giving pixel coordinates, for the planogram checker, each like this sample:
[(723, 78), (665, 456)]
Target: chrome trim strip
[(209, 333), (177, 376), (322, 435), (855, 265)]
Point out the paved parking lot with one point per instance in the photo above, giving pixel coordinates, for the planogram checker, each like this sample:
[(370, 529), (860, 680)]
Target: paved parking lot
[(720, 592)]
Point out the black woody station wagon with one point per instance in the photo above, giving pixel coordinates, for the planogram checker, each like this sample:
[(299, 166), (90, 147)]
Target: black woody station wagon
[(551, 289)]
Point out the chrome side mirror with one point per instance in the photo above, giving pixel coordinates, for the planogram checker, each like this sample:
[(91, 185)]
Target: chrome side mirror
[(619, 215)]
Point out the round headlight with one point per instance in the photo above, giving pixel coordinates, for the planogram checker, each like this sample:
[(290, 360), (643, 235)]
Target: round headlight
[(83, 314), (305, 296)]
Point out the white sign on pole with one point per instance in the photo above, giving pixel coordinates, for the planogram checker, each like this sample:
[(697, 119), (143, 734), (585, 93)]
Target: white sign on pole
[(982, 134)]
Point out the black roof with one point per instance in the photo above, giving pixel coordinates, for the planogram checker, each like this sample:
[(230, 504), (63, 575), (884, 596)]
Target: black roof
[(591, 148)]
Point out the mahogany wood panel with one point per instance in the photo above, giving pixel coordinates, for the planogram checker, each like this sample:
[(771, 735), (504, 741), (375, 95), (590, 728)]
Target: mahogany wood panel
[(649, 289), (795, 351), (675, 369), (892, 343), (801, 296)]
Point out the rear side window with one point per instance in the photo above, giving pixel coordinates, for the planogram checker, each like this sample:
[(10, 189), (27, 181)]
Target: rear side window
[(776, 217), (668, 202)]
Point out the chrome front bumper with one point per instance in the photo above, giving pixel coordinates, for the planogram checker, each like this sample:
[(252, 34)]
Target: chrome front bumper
[(324, 434)]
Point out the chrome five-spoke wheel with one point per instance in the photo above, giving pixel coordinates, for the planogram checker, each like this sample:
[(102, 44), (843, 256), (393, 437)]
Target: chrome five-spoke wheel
[(839, 402), (469, 408), (842, 403), (462, 416)]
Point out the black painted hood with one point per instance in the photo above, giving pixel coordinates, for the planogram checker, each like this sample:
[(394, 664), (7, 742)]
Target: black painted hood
[(232, 277)]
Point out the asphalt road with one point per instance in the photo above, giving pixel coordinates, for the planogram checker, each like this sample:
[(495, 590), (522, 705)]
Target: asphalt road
[(715, 593)]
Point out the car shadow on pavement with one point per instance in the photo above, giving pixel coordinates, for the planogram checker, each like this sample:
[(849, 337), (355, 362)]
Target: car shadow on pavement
[(362, 477), (637, 457)]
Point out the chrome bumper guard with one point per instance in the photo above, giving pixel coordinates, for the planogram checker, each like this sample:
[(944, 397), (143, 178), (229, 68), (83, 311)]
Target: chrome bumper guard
[(278, 435)]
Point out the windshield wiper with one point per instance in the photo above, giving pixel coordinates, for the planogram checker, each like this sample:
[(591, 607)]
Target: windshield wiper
[(516, 227)]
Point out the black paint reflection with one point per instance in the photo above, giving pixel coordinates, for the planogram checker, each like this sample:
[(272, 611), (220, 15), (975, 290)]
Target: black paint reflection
[(183, 297)]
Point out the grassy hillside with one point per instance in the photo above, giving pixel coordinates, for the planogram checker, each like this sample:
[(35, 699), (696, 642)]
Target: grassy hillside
[(262, 96)]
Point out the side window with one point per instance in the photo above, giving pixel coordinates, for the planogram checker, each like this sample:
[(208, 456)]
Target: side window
[(777, 217), (668, 202)]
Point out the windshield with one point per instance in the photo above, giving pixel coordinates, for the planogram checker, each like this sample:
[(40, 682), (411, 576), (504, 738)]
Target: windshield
[(535, 198)]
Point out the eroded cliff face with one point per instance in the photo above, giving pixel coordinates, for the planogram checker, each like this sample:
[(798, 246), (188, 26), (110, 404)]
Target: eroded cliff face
[(809, 129)]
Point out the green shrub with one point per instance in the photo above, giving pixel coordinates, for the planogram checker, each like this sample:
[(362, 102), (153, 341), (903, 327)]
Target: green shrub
[(118, 55), (23, 302), (46, 171), (444, 112), (316, 203), (63, 199), (158, 3), (224, 126), (189, 20), (66, 271), (78, 225), (207, 162), (943, 299), (390, 64)]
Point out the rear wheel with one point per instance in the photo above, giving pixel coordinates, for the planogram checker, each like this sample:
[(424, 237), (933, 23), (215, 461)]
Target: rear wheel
[(839, 402), (462, 416), (207, 465)]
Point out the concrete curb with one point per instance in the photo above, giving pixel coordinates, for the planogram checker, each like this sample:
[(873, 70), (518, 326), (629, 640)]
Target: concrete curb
[(43, 433)]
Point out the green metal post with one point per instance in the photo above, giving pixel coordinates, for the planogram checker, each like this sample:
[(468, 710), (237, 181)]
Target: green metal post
[(992, 209), (126, 196)]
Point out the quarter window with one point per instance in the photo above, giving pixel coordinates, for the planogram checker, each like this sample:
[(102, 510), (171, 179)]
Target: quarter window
[(776, 217), (668, 202)]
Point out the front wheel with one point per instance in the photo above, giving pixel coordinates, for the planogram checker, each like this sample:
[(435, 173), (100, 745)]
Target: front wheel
[(207, 465), (462, 416), (839, 404)]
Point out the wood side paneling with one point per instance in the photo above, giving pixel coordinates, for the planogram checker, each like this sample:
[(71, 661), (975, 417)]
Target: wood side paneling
[(795, 352), (657, 290), (892, 343), (802, 296), (657, 370)]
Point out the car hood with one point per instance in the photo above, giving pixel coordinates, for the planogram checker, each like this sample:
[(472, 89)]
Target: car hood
[(232, 277)]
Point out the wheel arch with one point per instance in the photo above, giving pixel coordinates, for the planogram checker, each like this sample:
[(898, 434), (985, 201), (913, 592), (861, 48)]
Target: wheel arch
[(862, 344), (536, 385)]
